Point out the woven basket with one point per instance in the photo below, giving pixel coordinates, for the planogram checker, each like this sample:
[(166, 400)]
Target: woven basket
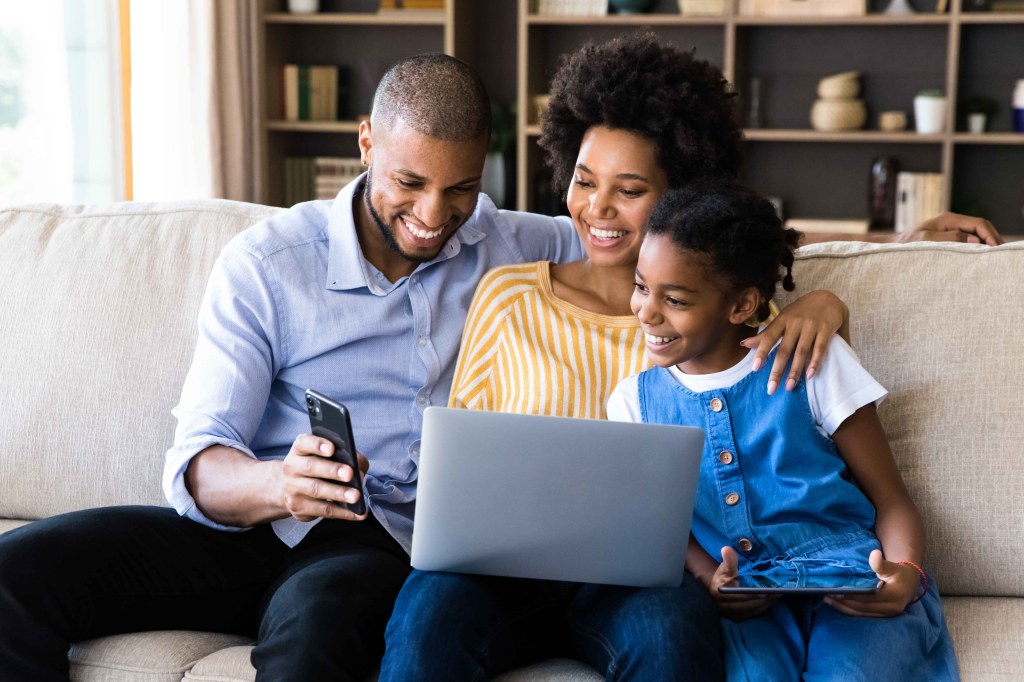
[(840, 86), (833, 115)]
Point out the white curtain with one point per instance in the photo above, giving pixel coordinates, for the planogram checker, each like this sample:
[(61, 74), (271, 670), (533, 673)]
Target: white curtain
[(194, 130), (170, 70)]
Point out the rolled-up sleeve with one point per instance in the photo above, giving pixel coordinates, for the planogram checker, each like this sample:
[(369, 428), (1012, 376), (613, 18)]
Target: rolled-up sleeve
[(225, 393)]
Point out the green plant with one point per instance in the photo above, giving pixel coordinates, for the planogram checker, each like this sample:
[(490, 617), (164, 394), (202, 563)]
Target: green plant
[(980, 105), (503, 126), (931, 92)]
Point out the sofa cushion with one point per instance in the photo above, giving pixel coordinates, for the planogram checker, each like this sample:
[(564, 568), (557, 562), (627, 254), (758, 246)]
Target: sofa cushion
[(232, 665), (99, 311), (939, 325), (989, 637), (146, 656)]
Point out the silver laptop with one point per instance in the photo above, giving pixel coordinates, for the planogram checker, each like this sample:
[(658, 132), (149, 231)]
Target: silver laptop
[(554, 498)]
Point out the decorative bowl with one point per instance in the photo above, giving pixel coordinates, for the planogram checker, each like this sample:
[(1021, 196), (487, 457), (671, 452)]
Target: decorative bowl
[(833, 115)]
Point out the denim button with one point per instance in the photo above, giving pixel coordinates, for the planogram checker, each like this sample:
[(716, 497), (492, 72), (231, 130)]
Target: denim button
[(744, 545), (716, 405), (725, 457), (732, 498)]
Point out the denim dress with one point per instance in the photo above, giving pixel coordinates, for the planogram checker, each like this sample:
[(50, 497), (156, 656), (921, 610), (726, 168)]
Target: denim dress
[(776, 490)]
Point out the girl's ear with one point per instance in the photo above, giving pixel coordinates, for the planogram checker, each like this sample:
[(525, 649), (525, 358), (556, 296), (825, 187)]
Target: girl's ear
[(745, 305)]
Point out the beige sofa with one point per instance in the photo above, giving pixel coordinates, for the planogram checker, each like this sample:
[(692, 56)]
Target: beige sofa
[(97, 316)]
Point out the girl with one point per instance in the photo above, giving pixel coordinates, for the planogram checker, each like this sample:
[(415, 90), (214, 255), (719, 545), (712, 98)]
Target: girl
[(797, 483)]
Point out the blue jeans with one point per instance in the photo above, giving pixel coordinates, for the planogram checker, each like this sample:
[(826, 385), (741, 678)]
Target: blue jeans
[(806, 639), (449, 626)]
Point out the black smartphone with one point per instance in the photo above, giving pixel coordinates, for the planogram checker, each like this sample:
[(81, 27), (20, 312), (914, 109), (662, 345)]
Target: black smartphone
[(816, 584), (330, 419)]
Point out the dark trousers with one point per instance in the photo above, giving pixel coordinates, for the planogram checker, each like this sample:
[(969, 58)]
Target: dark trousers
[(317, 611)]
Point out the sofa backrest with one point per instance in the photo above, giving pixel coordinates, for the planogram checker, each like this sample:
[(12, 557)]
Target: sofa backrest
[(941, 327), (97, 328)]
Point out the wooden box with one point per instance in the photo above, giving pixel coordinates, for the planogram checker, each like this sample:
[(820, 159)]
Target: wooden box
[(803, 8)]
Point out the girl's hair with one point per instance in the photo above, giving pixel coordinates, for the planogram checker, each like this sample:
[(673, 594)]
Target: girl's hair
[(682, 104), (736, 230)]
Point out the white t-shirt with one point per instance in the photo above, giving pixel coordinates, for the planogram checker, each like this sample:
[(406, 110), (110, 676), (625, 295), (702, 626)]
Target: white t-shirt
[(840, 387)]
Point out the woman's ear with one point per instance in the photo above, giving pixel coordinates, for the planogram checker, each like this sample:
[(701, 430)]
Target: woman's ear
[(745, 305)]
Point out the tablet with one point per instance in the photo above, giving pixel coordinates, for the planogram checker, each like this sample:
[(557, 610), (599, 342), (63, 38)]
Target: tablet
[(809, 584)]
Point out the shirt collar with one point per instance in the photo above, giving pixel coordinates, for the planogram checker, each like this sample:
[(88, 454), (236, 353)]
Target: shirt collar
[(347, 268)]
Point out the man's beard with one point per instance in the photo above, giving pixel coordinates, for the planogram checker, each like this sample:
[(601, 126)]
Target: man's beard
[(386, 232)]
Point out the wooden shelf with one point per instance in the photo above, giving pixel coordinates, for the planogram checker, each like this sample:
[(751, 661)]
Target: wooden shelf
[(626, 20), (313, 126), (872, 20), (873, 136), (989, 138), (403, 18)]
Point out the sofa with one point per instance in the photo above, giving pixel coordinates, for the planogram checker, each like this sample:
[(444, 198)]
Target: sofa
[(97, 326)]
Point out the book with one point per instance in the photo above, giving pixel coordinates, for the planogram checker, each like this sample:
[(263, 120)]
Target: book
[(290, 92), (829, 225)]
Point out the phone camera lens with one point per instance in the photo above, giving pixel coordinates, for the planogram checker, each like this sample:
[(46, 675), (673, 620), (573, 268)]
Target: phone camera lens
[(310, 401)]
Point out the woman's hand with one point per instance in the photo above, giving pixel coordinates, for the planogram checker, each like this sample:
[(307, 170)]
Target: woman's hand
[(902, 583), (735, 606), (953, 227), (805, 327)]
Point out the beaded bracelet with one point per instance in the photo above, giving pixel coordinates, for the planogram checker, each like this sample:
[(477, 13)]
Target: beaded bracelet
[(924, 580)]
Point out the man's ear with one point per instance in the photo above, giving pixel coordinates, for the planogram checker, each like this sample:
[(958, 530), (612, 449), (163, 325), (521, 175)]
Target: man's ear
[(745, 305), (365, 143)]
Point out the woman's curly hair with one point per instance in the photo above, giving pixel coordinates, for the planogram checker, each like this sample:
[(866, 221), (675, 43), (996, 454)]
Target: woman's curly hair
[(734, 229), (635, 83)]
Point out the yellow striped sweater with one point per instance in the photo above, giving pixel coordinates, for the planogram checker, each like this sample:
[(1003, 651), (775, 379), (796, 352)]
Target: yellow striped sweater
[(524, 350)]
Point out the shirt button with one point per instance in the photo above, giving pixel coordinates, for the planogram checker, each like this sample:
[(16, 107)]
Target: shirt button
[(413, 280), (732, 498), (422, 400), (716, 405), (725, 457), (422, 340), (745, 545)]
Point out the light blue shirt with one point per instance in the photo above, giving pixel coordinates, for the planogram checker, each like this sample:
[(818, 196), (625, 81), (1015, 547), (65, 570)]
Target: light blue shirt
[(292, 304)]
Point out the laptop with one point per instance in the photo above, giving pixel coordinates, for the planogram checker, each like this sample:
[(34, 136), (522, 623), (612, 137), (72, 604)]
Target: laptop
[(554, 498)]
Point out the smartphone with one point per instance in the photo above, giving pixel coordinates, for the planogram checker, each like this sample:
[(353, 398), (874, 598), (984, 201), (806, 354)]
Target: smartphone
[(330, 419), (814, 584)]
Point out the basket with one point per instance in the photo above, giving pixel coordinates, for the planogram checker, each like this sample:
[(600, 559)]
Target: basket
[(834, 115), (840, 86), (702, 7)]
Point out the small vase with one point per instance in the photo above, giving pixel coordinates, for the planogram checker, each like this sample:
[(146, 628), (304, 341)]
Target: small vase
[(898, 8), (976, 123), (492, 182)]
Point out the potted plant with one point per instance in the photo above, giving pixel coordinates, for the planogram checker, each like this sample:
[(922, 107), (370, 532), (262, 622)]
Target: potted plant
[(503, 133), (930, 111), (979, 110)]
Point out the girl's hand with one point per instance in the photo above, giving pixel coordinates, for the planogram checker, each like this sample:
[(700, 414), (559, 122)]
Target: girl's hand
[(805, 327), (735, 606), (902, 584)]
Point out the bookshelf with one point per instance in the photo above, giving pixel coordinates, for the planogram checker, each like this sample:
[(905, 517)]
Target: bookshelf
[(344, 32), (819, 174)]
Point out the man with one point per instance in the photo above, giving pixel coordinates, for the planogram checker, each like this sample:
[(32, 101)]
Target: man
[(363, 299)]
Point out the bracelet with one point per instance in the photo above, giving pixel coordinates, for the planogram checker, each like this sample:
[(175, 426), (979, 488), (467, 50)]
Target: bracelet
[(924, 580)]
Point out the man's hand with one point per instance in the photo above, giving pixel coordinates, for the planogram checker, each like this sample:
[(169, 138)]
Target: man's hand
[(952, 227), (735, 606), (901, 585), (307, 487), (805, 327)]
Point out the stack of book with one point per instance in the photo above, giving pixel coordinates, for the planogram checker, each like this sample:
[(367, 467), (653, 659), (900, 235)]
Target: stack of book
[(918, 198), (389, 5), (321, 177), (316, 93), (575, 8), (1008, 5)]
